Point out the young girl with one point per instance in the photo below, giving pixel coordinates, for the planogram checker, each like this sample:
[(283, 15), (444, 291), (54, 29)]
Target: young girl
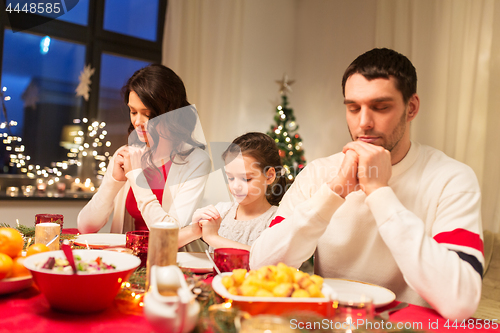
[(254, 174)]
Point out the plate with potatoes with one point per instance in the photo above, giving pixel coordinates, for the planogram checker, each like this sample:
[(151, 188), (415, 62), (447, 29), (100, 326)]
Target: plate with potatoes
[(274, 289)]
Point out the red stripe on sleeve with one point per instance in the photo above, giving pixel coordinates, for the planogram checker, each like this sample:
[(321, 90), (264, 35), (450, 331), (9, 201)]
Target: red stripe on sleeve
[(461, 237), (276, 220)]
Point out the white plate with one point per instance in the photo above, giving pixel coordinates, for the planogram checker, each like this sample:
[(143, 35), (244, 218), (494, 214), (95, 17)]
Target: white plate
[(100, 241), (380, 295), (222, 291), (12, 285), (197, 262)]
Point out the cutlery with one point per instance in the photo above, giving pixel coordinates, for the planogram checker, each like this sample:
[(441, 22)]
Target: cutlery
[(52, 240), (212, 261), (385, 314), (69, 254)]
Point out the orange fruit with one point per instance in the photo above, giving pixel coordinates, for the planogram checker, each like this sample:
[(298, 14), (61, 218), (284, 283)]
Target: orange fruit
[(5, 265), (11, 242), (18, 268), (36, 248)]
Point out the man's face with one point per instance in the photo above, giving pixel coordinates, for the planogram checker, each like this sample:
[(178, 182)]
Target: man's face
[(375, 111)]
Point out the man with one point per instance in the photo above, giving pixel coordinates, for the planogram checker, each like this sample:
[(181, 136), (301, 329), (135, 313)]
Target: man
[(387, 210)]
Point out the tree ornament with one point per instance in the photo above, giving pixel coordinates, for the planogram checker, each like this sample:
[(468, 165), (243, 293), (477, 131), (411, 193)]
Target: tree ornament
[(291, 126), (285, 85)]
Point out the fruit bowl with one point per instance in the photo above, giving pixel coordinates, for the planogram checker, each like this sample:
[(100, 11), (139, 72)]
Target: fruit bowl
[(82, 292)]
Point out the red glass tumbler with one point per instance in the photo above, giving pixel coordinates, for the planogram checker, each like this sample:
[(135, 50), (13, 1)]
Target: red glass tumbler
[(55, 218), (228, 259), (137, 241)]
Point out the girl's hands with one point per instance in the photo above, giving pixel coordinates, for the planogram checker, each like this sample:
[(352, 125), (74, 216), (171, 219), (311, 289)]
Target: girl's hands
[(210, 229), (205, 213)]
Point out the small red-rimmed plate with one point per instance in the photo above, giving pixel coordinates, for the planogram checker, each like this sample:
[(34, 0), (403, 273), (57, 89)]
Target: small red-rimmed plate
[(100, 240), (196, 262), (12, 285), (380, 296)]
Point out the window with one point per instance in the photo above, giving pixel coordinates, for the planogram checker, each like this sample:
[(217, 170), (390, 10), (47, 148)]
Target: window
[(41, 60)]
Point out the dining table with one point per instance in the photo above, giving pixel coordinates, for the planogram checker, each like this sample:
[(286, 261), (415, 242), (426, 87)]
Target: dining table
[(28, 311)]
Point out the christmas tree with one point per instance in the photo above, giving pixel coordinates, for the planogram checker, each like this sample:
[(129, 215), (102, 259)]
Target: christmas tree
[(284, 132)]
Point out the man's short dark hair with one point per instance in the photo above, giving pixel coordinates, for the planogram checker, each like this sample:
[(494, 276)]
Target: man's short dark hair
[(383, 63)]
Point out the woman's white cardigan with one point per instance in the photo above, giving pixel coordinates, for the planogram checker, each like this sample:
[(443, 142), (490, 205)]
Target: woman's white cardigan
[(182, 194)]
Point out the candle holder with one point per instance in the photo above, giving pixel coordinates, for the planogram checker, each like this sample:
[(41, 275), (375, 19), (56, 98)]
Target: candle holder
[(228, 259), (55, 218), (45, 232), (137, 241), (41, 185), (163, 243), (12, 191), (28, 190)]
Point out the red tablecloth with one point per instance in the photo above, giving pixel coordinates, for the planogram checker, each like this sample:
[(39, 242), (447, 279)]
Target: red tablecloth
[(28, 311), (420, 318)]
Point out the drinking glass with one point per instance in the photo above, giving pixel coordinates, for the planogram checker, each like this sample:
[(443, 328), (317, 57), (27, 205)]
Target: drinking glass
[(228, 259), (55, 218), (137, 241), (352, 311)]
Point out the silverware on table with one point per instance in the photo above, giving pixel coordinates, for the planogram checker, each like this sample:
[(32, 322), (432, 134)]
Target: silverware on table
[(213, 262), (385, 314)]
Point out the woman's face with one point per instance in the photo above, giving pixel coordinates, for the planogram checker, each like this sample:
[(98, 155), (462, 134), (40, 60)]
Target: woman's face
[(139, 117)]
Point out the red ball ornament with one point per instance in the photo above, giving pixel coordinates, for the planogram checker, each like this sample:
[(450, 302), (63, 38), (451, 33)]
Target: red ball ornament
[(282, 153), (301, 166), (296, 136)]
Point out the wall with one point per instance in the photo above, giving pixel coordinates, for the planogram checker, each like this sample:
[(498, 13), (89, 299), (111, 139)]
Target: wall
[(330, 35)]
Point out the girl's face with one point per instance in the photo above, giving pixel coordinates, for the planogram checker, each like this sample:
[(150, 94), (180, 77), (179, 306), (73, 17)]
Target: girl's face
[(139, 117), (247, 182)]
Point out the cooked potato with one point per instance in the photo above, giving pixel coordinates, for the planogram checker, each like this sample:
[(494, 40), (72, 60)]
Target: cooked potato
[(264, 293), (233, 291), (318, 280), (247, 290), (300, 293), (228, 281), (283, 290), (304, 282), (273, 281), (314, 291), (239, 276)]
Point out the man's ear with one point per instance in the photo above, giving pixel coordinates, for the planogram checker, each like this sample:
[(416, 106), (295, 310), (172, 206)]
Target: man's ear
[(271, 175), (413, 107)]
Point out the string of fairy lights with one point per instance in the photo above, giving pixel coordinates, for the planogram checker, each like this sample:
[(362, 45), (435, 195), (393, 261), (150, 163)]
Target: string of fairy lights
[(88, 141)]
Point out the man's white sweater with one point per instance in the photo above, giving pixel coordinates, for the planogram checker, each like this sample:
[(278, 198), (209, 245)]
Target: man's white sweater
[(420, 237)]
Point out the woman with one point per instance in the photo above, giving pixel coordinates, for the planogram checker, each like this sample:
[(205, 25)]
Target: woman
[(161, 174)]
